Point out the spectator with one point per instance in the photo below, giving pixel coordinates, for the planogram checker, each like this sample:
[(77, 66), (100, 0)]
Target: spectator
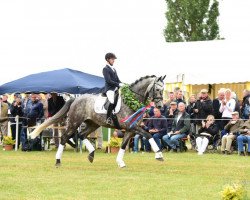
[(232, 129), (244, 137), (237, 102), (3, 119), (171, 98), (55, 103), (16, 109), (157, 126), (170, 114), (204, 107), (179, 97), (45, 104), (5, 100), (206, 133), (32, 112), (144, 125), (216, 108), (180, 128), (227, 107), (190, 110), (245, 108)]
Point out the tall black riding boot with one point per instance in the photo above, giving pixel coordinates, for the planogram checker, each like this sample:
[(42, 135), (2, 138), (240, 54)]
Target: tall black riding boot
[(109, 113)]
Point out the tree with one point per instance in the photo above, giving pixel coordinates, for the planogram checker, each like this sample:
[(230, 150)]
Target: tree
[(192, 20)]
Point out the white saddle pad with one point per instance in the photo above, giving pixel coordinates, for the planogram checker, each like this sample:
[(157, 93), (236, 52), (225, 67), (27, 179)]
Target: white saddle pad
[(99, 105)]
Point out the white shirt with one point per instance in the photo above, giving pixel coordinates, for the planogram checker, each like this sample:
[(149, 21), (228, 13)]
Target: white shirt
[(227, 109), (179, 116)]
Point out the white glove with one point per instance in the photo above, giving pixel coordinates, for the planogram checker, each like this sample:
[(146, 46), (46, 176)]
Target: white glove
[(121, 84)]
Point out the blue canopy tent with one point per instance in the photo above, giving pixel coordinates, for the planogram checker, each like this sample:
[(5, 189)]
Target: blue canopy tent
[(60, 81)]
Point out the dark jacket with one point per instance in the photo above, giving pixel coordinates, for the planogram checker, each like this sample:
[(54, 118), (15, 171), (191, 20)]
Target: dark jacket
[(205, 108), (170, 118), (33, 111), (216, 109), (111, 78), (179, 101), (212, 130), (190, 110), (158, 123), (16, 110), (245, 103), (183, 125), (55, 106)]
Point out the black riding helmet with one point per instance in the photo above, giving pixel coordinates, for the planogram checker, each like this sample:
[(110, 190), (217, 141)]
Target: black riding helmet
[(109, 56)]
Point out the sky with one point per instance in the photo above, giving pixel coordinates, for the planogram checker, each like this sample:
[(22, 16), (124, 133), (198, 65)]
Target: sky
[(43, 35)]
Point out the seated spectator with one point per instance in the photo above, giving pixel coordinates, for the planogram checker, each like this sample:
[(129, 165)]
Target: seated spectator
[(170, 114), (232, 131), (245, 109), (144, 125), (227, 107), (157, 126), (180, 128), (244, 137), (206, 133)]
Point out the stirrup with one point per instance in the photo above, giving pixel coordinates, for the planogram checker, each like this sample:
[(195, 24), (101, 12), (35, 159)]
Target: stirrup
[(109, 121)]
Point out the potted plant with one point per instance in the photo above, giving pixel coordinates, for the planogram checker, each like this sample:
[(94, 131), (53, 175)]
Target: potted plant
[(114, 144), (8, 143)]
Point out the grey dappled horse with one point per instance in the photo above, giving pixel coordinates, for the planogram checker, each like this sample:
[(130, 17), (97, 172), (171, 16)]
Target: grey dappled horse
[(81, 110)]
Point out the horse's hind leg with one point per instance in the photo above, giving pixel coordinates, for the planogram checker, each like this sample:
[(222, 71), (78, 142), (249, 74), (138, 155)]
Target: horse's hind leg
[(119, 158), (89, 128), (65, 137)]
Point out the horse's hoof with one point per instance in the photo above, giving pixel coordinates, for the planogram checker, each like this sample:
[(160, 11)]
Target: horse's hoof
[(160, 159), (91, 156), (58, 163)]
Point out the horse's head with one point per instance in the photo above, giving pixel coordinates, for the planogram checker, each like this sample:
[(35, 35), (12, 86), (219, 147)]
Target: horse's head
[(155, 91)]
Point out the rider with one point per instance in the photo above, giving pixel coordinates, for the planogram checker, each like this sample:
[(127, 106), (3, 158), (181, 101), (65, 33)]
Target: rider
[(112, 84)]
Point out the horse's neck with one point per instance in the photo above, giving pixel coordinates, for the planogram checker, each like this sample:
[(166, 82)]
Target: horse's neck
[(141, 87)]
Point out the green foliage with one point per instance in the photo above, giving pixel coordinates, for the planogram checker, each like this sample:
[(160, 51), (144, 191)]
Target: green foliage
[(7, 140), (130, 99), (234, 192), (192, 20), (115, 142)]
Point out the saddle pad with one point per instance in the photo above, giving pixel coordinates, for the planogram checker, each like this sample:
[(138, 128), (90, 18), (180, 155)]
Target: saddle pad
[(99, 105)]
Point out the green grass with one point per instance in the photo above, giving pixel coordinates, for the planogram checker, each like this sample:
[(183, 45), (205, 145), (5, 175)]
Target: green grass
[(32, 175)]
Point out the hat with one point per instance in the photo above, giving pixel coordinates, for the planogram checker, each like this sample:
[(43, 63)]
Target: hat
[(204, 91), (173, 103), (235, 113)]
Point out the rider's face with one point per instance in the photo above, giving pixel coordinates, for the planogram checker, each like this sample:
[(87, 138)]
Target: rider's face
[(111, 61)]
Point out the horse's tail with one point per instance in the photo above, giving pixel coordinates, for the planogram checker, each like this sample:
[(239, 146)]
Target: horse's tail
[(55, 119)]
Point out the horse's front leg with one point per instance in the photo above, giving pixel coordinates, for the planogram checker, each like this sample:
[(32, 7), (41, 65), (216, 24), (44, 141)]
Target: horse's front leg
[(148, 136), (119, 158)]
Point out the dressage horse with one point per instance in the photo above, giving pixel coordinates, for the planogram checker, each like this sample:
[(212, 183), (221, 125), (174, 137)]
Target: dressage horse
[(81, 110)]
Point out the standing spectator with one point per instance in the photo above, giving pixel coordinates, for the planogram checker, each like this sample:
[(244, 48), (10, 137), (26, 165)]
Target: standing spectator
[(180, 97), (157, 126), (16, 109), (232, 129), (3, 119), (32, 112), (180, 128), (5, 100), (55, 103), (206, 133), (245, 108), (244, 137), (45, 105), (170, 114), (227, 107), (216, 108), (190, 110), (237, 102), (204, 107), (171, 98)]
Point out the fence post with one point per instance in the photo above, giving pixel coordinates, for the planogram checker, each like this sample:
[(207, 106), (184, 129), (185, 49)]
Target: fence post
[(17, 131)]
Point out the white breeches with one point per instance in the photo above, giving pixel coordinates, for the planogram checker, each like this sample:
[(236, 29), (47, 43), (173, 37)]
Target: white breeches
[(202, 144), (111, 96)]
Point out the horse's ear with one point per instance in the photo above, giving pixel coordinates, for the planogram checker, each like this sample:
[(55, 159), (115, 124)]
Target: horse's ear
[(158, 79), (162, 78)]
